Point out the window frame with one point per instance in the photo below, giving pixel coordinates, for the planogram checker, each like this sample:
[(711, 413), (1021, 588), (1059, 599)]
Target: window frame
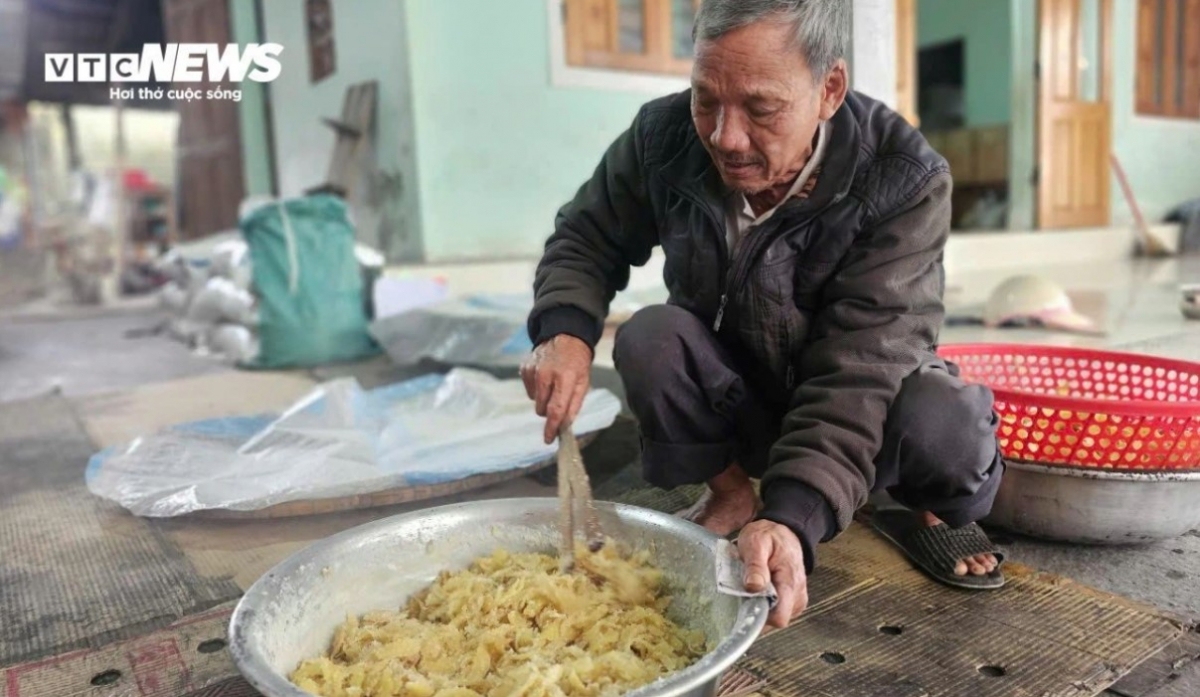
[(1168, 73), (573, 64)]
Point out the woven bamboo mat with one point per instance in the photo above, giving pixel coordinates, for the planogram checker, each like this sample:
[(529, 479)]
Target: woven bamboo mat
[(876, 627), (77, 572)]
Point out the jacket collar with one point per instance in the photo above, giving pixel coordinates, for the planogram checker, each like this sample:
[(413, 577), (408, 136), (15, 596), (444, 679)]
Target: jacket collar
[(693, 172)]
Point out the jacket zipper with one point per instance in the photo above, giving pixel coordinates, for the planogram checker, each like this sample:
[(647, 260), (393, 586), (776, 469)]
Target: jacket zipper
[(734, 280), (731, 266), (722, 248), (738, 270), (758, 243), (721, 310)]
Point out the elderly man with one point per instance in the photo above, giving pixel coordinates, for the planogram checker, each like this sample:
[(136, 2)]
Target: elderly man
[(803, 227)]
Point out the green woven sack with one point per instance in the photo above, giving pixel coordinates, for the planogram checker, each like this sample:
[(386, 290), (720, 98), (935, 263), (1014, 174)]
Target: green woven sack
[(308, 283)]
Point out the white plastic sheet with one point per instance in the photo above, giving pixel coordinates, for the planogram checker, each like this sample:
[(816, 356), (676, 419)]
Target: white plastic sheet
[(340, 440), (479, 330), (394, 296)]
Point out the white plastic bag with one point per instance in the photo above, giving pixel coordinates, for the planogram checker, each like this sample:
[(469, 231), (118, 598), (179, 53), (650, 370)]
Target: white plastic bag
[(226, 257), (340, 440), (233, 341), (222, 301), (173, 298)]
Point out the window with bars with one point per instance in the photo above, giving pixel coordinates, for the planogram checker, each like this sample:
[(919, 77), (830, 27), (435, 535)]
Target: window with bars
[(1168, 59), (648, 36)]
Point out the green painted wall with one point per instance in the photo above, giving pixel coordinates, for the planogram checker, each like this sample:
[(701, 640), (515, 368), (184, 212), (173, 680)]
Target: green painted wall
[(1159, 155), (500, 148), (256, 163), (370, 38), (986, 26)]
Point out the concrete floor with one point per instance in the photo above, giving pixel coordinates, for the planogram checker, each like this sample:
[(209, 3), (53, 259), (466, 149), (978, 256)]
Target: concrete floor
[(1164, 574), (85, 355)]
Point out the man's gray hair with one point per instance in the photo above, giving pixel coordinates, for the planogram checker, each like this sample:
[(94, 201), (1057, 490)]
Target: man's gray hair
[(821, 27)]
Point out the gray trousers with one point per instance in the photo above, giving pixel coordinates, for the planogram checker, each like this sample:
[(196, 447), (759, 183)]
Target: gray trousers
[(697, 415)]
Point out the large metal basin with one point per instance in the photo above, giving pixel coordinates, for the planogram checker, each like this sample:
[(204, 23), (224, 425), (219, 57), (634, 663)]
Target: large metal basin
[(1096, 506), (291, 612)]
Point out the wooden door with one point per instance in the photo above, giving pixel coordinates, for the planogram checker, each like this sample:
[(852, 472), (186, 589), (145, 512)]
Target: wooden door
[(906, 60), (209, 178), (1074, 113)]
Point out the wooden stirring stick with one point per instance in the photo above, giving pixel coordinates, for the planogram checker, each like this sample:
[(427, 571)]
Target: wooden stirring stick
[(566, 509), (574, 489)]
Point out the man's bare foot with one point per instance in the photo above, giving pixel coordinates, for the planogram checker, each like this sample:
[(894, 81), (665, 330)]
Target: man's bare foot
[(729, 504), (979, 565)]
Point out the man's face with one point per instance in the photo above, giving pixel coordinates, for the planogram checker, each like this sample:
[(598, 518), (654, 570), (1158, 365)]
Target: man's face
[(757, 105)]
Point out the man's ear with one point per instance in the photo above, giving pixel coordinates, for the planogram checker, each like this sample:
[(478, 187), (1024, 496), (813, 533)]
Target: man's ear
[(834, 89)]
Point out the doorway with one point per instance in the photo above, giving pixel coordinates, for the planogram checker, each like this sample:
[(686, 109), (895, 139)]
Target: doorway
[(954, 82), (1074, 113), (210, 181), (1015, 94)]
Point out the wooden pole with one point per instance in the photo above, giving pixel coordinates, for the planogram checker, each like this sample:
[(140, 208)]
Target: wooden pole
[(118, 236)]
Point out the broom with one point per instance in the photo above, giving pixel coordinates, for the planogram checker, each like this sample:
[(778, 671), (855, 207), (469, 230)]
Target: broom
[(1151, 246)]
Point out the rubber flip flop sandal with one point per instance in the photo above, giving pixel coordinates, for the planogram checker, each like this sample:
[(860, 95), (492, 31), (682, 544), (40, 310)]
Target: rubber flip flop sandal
[(938, 549)]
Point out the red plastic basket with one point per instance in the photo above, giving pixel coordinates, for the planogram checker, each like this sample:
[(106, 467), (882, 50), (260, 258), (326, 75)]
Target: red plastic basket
[(1087, 408)]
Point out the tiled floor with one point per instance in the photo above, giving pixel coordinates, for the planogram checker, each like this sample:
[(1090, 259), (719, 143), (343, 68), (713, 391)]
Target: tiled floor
[(1135, 302)]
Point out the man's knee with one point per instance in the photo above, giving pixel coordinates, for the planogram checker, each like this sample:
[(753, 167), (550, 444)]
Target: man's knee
[(653, 337), (670, 361), (948, 430)]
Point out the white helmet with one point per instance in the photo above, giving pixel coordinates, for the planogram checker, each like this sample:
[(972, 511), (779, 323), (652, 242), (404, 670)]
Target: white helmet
[(1033, 300)]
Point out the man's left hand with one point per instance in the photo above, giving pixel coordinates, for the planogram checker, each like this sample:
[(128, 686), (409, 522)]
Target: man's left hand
[(771, 551)]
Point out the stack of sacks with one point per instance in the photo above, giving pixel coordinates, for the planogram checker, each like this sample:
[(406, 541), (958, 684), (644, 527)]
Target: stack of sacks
[(210, 299), (211, 294)]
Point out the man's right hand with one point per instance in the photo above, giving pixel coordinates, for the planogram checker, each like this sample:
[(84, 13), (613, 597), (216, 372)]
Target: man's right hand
[(557, 376)]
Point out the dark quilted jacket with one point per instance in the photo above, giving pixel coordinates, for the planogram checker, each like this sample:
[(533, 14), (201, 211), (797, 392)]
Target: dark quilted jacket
[(832, 301)]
